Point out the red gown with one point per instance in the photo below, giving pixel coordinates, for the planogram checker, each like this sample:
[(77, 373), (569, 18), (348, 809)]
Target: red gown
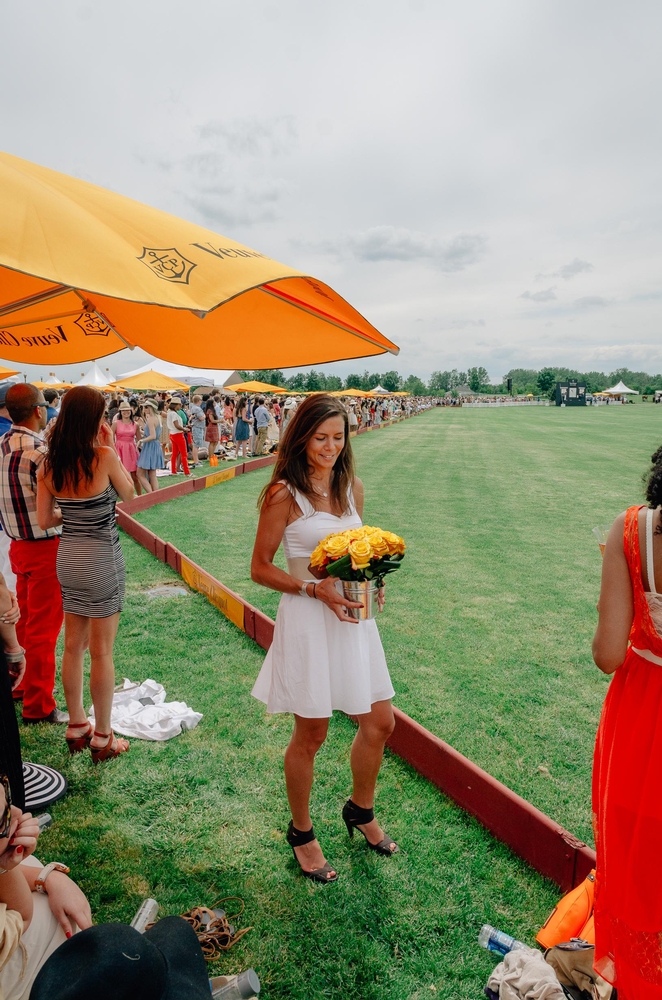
[(627, 807)]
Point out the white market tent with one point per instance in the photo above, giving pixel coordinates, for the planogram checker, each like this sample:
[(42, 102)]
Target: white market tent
[(52, 379), (620, 389), (191, 376), (95, 377), (381, 390)]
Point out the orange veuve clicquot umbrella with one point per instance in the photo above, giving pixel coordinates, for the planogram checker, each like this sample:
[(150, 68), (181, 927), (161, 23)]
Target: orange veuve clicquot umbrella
[(86, 272)]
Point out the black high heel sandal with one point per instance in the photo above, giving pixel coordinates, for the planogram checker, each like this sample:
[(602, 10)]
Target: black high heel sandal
[(355, 817), (297, 838)]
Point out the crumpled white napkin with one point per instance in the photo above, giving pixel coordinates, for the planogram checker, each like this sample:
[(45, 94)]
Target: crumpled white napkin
[(160, 721), (525, 975)]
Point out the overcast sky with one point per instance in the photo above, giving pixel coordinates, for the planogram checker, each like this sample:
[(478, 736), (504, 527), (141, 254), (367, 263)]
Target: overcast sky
[(480, 179)]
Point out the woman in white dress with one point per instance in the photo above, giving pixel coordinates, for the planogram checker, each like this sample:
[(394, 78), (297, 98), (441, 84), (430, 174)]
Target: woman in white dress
[(321, 659)]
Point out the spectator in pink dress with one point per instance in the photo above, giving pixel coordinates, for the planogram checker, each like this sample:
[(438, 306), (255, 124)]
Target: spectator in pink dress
[(125, 431)]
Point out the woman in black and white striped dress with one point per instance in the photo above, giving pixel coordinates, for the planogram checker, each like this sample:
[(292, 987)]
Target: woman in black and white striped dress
[(83, 476)]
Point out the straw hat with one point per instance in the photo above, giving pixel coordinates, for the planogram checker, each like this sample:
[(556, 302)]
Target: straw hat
[(124, 406), (152, 403)]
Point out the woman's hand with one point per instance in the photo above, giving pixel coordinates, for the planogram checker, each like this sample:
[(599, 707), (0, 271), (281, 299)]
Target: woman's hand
[(68, 903), (381, 597), (13, 615), (327, 592), (105, 436), (16, 671), (22, 840)]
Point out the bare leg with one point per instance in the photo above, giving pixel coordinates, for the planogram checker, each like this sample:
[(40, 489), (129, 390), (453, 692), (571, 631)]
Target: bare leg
[(153, 482), (76, 641), (102, 672), (143, 480), (136, 483), (375, 727), (307, 737)]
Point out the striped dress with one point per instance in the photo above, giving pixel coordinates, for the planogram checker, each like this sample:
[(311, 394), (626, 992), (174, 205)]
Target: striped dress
[(90, 564)]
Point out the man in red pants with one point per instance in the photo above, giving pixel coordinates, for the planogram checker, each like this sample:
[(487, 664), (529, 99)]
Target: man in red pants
[(32, 551)]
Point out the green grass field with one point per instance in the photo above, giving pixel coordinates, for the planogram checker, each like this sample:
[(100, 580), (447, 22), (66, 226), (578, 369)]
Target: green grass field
[(203, 816), (487, 634), (489, 623)]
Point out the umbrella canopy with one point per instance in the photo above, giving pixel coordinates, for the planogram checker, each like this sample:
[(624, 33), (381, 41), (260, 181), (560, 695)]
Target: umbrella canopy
[(151, 380), (359, 393), (255, 386), (85, 272), (6, 373), (620, 389), (191, 376)]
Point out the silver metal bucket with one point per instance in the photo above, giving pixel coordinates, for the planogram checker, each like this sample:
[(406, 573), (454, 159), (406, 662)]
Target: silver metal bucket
[(364, 591)]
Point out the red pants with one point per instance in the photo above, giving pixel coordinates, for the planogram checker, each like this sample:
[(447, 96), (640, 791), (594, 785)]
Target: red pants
[(40, 601), (178, 445)]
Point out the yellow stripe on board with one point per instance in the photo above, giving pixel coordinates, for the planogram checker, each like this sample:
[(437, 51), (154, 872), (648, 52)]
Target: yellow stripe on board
[(213, 591), (219, 477)]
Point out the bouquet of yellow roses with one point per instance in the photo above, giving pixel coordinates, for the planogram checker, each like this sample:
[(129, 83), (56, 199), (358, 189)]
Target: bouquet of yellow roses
[(359, 554)]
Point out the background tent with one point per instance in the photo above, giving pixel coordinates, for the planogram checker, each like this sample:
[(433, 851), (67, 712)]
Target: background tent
[(95, 377), (620, 389)]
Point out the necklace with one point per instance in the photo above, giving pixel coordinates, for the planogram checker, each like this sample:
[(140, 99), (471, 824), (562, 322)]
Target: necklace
[(318, 490)]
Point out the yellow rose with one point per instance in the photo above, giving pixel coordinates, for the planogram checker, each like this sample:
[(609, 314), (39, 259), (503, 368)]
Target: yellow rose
[(318, 558), (360, 551), (380, 546), (355, 533), (395, 544), (335, 546)]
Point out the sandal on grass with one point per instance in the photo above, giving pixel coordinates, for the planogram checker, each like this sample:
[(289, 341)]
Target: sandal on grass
[(113, 748), (77, 744), (297, 838), (356, 817), (213, 928)]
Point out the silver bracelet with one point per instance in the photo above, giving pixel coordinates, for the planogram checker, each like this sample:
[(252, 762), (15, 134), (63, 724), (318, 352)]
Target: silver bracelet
[(303, 592), (15, 656)]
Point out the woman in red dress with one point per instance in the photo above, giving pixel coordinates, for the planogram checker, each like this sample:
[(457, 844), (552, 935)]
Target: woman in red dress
[(627, 773)]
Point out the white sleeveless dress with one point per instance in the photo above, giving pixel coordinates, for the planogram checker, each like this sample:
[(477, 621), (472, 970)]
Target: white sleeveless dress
[(316, 662)]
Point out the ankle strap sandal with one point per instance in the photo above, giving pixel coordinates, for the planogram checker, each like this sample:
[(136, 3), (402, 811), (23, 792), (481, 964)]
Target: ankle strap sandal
[(356, 817), (298, 838)]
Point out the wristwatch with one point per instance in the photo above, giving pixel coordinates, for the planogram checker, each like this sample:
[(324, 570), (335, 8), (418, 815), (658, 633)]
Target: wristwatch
[(54, 866)]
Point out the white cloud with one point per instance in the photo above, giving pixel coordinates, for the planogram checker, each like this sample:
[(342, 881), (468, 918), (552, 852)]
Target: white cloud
[(591, 302), (568, 271), (546, 295), (397, 244)]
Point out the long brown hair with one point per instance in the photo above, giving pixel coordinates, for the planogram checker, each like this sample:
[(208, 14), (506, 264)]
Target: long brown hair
[(292, 460), (71, 445)]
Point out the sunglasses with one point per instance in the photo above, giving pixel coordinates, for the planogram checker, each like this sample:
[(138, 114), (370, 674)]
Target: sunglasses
[(5, 822)]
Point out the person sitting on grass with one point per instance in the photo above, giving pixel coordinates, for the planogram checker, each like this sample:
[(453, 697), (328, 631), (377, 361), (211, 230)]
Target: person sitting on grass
[(49, 948), (40, 907)]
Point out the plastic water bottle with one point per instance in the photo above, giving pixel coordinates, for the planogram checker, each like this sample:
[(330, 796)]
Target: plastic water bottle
[(494, 940), (146, 914), (246, 984)]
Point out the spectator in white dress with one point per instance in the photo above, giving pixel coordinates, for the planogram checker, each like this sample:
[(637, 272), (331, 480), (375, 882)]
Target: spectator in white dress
[(321, 659)]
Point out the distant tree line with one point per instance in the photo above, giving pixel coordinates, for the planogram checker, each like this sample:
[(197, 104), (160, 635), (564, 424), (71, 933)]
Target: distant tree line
[(525, 380), (543, 382), (315, 380)]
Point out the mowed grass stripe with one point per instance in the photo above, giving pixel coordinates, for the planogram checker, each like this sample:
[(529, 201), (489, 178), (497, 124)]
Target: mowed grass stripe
[(489, 623)]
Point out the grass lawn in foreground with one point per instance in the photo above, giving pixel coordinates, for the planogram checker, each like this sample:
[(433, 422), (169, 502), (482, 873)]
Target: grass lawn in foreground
[(204, 815), (488, 625)]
